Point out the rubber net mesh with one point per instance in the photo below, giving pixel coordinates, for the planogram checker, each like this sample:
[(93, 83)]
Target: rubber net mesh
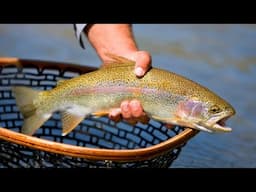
[(92, 132)]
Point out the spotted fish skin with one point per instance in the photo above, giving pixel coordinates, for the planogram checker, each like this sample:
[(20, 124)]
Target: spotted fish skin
[(164, 95)]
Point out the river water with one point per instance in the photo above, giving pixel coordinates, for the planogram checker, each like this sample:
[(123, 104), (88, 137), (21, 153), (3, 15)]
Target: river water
[(221, 57)]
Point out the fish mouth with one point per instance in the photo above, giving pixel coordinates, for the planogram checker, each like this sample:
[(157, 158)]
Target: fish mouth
[(216, 123), (220, 126)]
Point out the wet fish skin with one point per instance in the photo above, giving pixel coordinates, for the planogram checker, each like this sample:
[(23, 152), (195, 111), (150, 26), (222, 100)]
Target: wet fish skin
[(164, 95)]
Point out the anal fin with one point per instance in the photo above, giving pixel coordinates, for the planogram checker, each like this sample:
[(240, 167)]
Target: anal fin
[(70, 121)]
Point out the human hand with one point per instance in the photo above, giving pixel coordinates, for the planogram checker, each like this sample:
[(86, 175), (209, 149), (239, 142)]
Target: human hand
[(118, 39), (142, 62), (132, 111)]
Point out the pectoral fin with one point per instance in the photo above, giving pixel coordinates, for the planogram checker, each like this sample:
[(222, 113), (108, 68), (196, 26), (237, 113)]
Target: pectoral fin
[(163, 119), (70, 121), (175, 120)]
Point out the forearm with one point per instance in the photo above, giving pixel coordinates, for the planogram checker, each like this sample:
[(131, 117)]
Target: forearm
[(113, 38)]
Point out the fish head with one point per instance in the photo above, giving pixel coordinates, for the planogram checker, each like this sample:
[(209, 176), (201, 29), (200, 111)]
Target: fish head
[(207, 115)]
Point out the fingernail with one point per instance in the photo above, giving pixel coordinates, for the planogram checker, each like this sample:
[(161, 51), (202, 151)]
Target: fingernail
[(139, 71)]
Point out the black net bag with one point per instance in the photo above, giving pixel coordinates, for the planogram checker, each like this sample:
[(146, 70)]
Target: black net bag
[(96, 142)]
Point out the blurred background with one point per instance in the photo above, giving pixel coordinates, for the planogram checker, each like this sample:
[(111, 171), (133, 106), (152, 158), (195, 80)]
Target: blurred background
[(221, 57)]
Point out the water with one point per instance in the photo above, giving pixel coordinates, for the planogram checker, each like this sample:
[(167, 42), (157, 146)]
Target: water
[(220, 57)]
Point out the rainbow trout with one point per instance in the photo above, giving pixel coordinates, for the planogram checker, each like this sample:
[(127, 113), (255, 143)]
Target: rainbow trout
[(165, 96)]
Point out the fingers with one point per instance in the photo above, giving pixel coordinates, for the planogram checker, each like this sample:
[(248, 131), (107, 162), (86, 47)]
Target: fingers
[(126, 110), (130, 111), (136, 108), (143, 63), (115, 114)]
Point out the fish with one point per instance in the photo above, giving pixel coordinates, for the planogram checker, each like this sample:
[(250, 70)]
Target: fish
[(165, 96)]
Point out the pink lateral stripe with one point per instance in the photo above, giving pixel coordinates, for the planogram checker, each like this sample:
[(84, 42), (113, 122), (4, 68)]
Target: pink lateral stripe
[(114, 89)]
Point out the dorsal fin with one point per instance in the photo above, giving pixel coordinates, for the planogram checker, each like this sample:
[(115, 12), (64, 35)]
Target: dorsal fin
[(117, 61)]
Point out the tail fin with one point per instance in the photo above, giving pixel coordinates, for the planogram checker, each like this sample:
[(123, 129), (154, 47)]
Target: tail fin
[(25, 98)]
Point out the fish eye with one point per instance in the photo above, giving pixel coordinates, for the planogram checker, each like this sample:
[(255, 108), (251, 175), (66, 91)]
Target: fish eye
[(215, 109)]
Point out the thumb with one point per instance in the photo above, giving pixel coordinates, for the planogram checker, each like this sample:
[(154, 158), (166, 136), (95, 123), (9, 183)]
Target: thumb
[(143, 63)]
